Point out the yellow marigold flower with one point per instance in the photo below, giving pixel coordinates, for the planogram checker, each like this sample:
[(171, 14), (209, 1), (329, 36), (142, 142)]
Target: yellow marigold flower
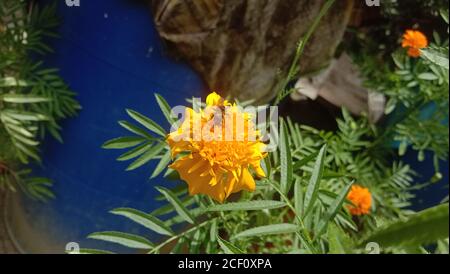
[(361, 199), (414, 40), (217, 166)]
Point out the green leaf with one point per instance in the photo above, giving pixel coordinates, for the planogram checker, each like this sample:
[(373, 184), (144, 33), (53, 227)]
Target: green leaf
[(422, 228), (428, 76), (23, 99), (135, 152), (196, 241), (125, 239), (165, 108), (25, 115), (12, 82), (333, 209), (298, 197), (298, 165), (165, 160), (168, 208), (338, 241), (88, 251), (146, 157), (247, 206), (444, 14), (145, 220), (399, 62), (285, 160), (314, 182), (177, 204), (147, 122), (228, 248), (123, 142), (29, 151), (438, 56), (267, 230), (135, 129)]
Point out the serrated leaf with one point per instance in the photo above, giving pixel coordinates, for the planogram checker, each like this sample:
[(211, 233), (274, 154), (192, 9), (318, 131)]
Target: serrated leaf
[(146, 157), (314, 182), (25, 115), (123, 142), (147, 122), (165, 108), (298, 198), (247, 206), (338, 241), (444, 14), (285, 160), (177, 204), (228, 248), (196, 242), (13, 82), (23, 99), (299, 164), (333, 209), (135, 129), (125, 239), (422, 228), (135, 152), (274, 229), (145, 220), (165, 160), (168, 208), (438, 56), (88, 251), (427, 76)]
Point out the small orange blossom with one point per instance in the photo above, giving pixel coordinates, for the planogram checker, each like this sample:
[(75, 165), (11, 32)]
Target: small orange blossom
[(361, 199), (414, 41)]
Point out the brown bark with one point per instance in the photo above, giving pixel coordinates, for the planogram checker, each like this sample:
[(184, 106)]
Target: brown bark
[(239, 47)]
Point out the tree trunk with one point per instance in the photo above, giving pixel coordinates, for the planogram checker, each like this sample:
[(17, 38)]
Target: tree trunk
[(239, 47)]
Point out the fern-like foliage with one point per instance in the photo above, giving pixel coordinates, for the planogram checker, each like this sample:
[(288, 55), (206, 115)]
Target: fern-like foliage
[(300, 207), (297, 209), (32, 98), (417, 91)]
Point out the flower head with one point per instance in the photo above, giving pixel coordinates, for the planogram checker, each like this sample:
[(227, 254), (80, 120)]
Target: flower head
[(220, 154), (414, 40), (361, 199)]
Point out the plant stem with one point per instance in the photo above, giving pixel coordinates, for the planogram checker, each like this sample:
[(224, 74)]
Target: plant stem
[(300, 49), (391, 128), (192, 229), (305, 234)]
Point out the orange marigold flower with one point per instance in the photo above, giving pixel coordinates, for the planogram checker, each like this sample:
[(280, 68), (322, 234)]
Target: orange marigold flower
[(414, 40), (361, 199), (217, 166)]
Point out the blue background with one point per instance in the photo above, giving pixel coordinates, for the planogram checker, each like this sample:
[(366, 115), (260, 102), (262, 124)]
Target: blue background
[(111, 55)]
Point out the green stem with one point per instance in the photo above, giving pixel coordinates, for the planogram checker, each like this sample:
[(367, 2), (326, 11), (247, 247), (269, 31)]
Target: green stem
[(173, 238), (305, 234), (391, 128), (300, 49)]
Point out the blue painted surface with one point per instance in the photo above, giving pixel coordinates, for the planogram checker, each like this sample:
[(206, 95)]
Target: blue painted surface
[(431, 195), (111, 55), (434, 194)]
